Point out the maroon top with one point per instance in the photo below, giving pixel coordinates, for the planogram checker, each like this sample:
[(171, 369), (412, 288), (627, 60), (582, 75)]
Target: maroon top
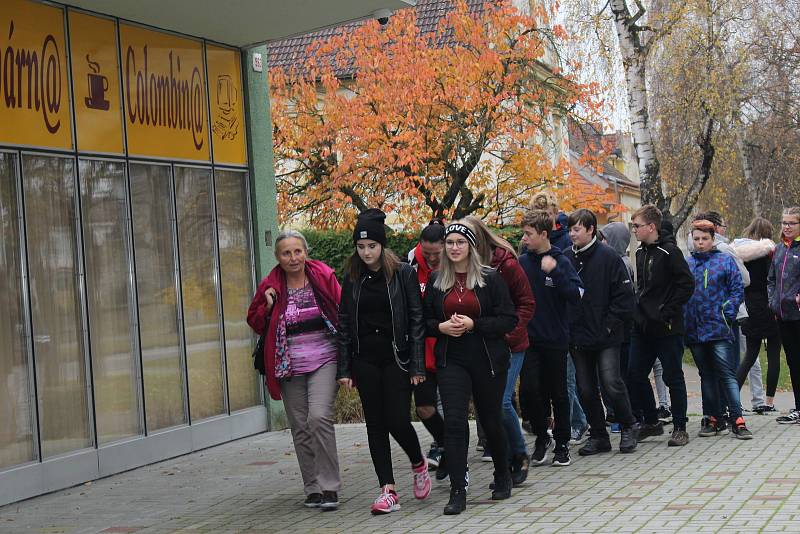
[(461, 300)]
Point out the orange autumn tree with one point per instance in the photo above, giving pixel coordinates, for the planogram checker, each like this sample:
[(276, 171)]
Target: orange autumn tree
[(448, 123)]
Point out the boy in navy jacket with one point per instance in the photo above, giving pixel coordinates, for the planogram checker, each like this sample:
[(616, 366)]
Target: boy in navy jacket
[(544, 374), (597, 330)]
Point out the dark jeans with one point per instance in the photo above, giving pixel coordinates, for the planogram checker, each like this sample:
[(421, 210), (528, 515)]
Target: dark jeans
[(773, 361), (544, 373), (734, 355), (385, 392), (669, 350), (462, 378), (624, 350), (717, 378), (603, 364), (790, 337)]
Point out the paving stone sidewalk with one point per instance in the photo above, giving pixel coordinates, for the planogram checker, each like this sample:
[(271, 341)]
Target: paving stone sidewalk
[(254, 484)]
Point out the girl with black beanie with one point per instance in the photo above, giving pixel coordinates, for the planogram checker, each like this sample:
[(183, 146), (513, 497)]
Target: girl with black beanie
[(381, 352)]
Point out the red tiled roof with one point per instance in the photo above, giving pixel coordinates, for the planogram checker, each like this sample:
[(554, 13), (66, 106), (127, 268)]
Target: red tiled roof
[(294, 50)]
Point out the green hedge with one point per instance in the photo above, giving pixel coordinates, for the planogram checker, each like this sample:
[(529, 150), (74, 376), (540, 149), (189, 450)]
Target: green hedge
[(334, 248)]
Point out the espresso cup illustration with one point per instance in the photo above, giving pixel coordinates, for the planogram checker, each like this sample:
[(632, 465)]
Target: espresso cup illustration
[(98, 85)]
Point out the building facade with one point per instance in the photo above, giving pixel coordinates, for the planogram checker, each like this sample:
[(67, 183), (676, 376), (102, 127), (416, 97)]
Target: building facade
[(137, 209)]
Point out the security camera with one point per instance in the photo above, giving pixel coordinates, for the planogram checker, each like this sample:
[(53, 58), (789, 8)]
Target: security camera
[(382, 16)]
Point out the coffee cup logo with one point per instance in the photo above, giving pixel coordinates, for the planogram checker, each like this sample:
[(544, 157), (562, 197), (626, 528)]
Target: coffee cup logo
[(98, 85)]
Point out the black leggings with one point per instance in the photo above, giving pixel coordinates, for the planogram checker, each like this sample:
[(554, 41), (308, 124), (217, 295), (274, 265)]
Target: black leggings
[(425, 396), (461, 378), (385, 392), (773, 361), (790, 337)]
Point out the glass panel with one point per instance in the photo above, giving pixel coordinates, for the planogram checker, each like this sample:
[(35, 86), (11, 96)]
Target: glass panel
[(237, 286), (106, 241), (154, 251), (16, 417), (198, 283), (50, 220)]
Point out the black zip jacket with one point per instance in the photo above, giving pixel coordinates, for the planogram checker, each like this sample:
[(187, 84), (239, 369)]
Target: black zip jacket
[(664, 284), (498, 317), (598, 320), (407, 322)]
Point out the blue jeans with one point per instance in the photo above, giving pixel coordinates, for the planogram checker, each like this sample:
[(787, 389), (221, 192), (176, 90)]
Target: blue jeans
[(718, 383), (733, 361), (643, 354), (516, 443), (578, 417)]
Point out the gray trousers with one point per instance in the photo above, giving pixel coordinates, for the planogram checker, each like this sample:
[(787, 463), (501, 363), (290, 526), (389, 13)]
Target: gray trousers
[(308, 400)]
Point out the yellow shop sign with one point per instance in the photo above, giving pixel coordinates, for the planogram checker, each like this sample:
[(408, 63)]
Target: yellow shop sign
[(164, 83), (95, 79), (34, 87), (227, 106)]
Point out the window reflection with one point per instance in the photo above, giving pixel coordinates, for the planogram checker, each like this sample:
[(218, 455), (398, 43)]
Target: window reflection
[(154, 252), (50, 220), (199, 291), (106, 242), (237, 286), (16, 415)]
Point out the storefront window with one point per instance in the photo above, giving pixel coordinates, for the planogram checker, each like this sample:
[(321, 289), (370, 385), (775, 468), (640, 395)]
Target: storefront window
[(193, 196), (50, 220), (154, 251), (237, 286), (106, 242), (16, 417)]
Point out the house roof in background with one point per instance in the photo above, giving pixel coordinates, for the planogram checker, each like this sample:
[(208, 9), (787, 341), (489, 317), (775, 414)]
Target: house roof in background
[(294, 51), (585, 137)]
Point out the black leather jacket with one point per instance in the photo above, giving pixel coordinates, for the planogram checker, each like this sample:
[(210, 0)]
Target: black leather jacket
[(407, 323)]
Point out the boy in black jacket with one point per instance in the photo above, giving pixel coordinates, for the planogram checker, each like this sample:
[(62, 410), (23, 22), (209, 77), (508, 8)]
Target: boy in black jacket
[(664, 284), (597, 330), (544, 372)]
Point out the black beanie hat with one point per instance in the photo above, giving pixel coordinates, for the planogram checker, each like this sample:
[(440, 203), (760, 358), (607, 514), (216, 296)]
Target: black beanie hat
[(370, 226)]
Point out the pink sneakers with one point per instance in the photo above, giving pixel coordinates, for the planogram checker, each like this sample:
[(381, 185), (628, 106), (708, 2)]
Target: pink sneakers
[(422, 481), (386, 502)]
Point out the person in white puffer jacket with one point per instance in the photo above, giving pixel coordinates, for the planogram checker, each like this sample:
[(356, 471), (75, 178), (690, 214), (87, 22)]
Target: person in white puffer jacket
[(756, 249)]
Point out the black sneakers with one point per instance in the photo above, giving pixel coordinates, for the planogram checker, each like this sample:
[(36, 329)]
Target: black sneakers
[(595, 446), (539, 456), (441, 469), (434, 456), (649, 430), (561, 455), (708, 427), (664, 415), (740, 430), (313, 500), (628, 439), (330, 501)]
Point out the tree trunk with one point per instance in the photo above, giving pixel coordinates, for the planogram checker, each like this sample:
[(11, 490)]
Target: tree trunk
[(634, 57), (706, 144), (747, 171)]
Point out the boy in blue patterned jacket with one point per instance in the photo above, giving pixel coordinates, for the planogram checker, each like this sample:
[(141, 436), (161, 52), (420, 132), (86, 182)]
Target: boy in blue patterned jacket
[(709, 316)]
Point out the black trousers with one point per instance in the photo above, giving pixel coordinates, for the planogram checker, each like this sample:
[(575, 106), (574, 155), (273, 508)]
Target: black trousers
[(463, 377), (591, 365), (790, 337), (385, 392), (753, 347), (544, 380)]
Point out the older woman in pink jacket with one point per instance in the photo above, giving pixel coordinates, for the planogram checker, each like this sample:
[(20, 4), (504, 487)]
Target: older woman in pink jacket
[(296, 308)]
